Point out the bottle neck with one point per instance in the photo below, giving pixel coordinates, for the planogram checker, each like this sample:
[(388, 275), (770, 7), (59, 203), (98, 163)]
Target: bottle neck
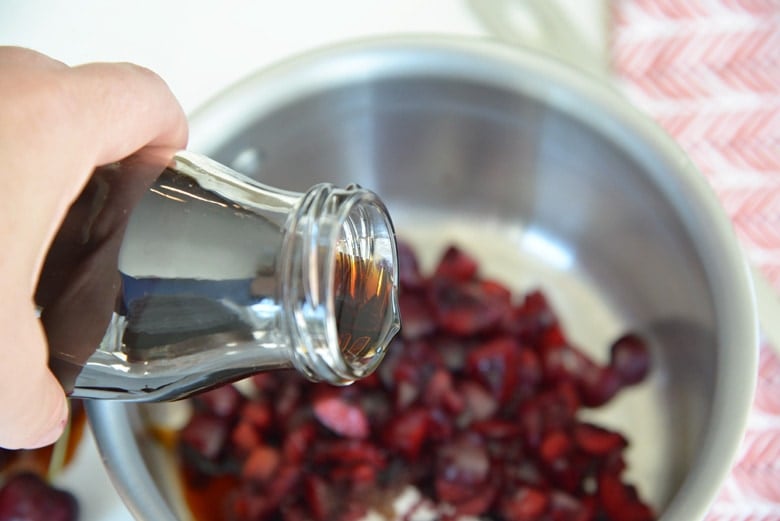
[(339, 283), (194, 275)]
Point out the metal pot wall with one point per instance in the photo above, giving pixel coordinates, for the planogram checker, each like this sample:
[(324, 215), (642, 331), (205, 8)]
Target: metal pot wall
[(555, 181)]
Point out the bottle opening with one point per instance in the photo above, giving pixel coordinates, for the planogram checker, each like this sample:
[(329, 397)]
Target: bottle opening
[(365, 287)]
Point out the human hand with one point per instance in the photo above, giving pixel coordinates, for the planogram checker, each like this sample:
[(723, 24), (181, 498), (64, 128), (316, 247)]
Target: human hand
[(57, 124)]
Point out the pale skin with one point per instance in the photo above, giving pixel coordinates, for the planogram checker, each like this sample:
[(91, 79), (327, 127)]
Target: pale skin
[(57, 123)]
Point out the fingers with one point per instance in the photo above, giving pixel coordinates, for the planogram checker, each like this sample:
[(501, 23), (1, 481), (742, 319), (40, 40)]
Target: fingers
[(122, 108), (57, 124), (33, 408)]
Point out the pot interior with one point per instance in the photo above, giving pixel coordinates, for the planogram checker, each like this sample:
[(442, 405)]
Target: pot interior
[(544, 184)]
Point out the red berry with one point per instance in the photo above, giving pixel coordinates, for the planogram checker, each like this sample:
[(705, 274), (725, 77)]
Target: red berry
[(261, 464), (630, 359), (456, 265), (27, 497), (476, 405), (525, 503), (344, 418)]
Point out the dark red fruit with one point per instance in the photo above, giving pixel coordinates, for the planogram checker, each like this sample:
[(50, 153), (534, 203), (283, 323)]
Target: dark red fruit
[(555, 446), (261, 464), (456, 265), (409, 274), (476, 406), (258, 413), (222, 401), (620, 501), (319, 498), (205, 436), (340, 416), (245, 437), (27, 497), (630, 359), (418, 320), (598, 386), (598, 441), (407, 432), (494, 364), (525, 503), (466, 309)]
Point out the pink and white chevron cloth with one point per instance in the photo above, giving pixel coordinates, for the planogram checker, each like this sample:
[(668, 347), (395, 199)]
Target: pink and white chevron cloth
[(709, 72)]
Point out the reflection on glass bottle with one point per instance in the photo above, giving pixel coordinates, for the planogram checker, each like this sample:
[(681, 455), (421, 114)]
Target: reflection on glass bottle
[(169, 277)]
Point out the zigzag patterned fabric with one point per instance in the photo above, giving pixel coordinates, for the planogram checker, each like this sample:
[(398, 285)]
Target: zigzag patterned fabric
[(708, 71)]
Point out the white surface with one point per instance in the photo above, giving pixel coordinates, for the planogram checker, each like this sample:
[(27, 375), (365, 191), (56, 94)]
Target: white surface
[(201, 47)]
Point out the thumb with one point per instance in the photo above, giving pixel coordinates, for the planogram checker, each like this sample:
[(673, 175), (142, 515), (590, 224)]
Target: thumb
[(33, 407)]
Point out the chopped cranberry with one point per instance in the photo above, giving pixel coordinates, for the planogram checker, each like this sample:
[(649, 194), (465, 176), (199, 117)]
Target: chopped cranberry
[(244, 437), (319, 498), (598, 386), (620, 501), (408, 267), (258, 413), (466, 309), (495, 365), (222, 401), (555, 446), (261, 464), (525, 503), (456, 265), (27, 497), (336, 413), (598, 441), (476, 406), (418, 320), (407, 432), (205, 436)]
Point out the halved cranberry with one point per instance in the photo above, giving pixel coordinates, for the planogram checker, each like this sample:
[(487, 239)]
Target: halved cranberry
[(598, 441), (244, 437), (348, 452), (466, 309), (494, 364), (478, 502), (258, 413), (598, 386), (630, 359), (205, 436), (340, 416), (555, 446), (297, 442), (531, 318), (418, 318), (261, 464), (464, 460), (526, 503), (456, 265), (439, 392), (479, 404), (621, 501), (409, 274), (221, 401), (319, 498), (407, 432)]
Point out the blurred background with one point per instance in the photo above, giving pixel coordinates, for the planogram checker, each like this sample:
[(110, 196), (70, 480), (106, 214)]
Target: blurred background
[(707, 70)]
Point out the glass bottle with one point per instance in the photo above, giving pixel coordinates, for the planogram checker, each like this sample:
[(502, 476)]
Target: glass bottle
[(170, 276)]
